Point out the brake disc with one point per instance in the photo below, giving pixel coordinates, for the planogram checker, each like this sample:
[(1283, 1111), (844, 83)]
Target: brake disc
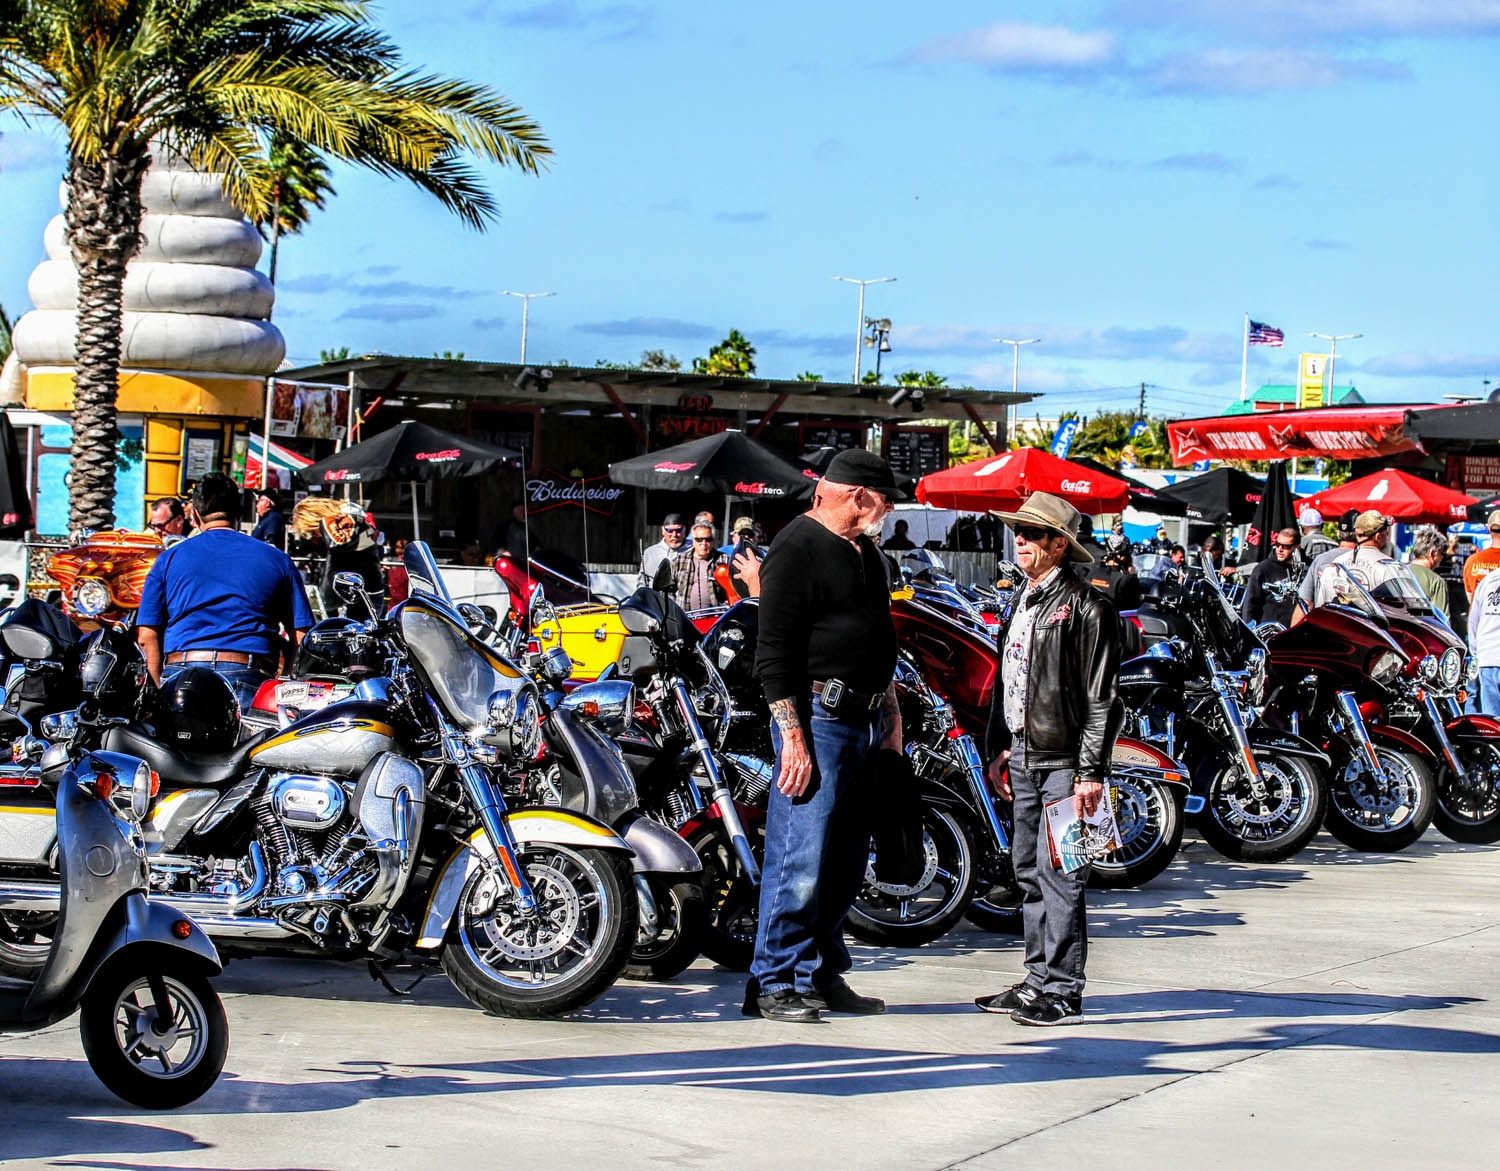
[(929, 872), (544, 934)]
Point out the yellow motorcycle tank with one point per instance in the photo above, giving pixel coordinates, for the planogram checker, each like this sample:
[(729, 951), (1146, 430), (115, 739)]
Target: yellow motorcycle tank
[(340, 739), (594, 637)]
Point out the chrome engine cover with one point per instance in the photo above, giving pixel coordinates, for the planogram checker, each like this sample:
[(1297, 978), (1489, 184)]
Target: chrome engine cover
[(307, 802), (390, 800)]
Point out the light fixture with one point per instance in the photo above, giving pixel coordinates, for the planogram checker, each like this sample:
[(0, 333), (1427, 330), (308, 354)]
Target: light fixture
[(536, 381), (908, 394)]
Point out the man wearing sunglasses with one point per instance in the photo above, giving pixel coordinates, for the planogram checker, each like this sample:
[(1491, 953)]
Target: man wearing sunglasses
[(673, 538), (1053, 722), (168, 519), (689, 577), (1280, 565)]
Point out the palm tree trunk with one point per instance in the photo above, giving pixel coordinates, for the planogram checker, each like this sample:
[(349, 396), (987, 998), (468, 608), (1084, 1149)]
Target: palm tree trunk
[(275, 232), (104, 224)]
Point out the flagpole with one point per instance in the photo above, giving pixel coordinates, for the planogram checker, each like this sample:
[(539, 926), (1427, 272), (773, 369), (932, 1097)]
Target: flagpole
[(1245, 359)]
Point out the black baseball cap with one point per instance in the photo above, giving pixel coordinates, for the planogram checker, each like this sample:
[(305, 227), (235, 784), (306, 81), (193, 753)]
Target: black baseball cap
[(864, 469)]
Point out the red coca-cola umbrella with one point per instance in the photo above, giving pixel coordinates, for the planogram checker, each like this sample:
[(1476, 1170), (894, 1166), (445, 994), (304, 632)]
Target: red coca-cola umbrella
[(1397, 494), (1004, 481)]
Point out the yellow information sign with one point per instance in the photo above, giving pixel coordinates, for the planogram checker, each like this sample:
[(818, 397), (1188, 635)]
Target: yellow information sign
[(1310, 383)]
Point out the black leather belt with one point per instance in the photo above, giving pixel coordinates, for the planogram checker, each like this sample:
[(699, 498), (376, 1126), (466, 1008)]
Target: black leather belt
[(836, 697), (266, 663)]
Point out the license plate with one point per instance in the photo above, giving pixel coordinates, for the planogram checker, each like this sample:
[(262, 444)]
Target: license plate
[(292, 693)]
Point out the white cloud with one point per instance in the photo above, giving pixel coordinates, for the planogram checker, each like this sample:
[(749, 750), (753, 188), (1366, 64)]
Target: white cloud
[(1295, 20), (1234, 71), (1023, 48)]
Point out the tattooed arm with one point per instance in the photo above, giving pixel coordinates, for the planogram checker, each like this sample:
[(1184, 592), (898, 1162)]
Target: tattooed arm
[(890, 713), (794, 758)]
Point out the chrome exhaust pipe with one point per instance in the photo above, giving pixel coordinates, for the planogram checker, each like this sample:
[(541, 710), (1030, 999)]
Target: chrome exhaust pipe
[(230, 926), (30, 896)]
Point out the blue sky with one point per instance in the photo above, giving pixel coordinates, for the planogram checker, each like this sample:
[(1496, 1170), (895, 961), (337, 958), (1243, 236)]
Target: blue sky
[(1123, 179)]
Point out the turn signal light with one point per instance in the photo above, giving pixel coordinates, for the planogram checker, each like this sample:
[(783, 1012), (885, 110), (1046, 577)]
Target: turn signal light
[(182, 928), (155, 783), (104, 785), (588, 709)]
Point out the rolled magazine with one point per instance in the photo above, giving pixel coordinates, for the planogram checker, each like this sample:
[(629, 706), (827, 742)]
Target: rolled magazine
[(1074, 838)]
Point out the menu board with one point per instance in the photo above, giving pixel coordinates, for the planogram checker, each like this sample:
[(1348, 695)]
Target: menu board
[(839, 436), (916, 451)]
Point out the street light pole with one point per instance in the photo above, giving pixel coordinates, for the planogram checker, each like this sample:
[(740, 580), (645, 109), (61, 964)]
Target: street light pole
[(1015, 345), (859, 321), (525, 314), (1333, 340)]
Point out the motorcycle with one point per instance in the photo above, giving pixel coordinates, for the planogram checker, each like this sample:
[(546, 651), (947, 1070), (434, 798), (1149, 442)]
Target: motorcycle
[(101, 577), (1258, 793), (376, 827), (136, 971)]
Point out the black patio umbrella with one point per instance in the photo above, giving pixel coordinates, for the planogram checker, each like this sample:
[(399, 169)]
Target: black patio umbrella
[(1142, 495), (1277, 511), (1479, 513), (15, 503), (1224, 495), (408, 451), (729, 462), (817, 462)]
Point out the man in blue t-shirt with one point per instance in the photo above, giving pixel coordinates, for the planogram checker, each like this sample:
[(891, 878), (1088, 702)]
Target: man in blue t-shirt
[(271, 527), (220, 598)]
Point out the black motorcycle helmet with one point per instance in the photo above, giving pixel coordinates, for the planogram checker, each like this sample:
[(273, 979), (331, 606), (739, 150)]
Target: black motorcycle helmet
[(198, 711), (111, 669)]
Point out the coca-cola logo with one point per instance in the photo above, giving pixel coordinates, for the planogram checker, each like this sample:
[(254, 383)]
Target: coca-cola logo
[(447, 456), (669, 466), (758, 488), (553, 490), (341, 474), (1079, 486)]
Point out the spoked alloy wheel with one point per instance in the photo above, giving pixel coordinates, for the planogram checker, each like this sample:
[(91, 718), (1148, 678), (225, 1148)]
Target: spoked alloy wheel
[(25, 939), (559, 958), (1150, 822), (924, 910), (1468, 806), (1368, 813), (154, 1059), (1269, 827)]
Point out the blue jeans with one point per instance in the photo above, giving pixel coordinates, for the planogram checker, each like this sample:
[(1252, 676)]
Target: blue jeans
[(817, 848), (243, 680), (1485, 698)]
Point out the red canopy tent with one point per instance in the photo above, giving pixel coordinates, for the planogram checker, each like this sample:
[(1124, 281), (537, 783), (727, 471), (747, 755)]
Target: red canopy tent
[(1004, 481), (1333, 432), (1398, 494)]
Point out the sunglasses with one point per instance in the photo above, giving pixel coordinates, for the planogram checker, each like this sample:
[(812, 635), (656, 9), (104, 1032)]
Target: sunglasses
[(159, 526), (1034, 534), (1285, 544), (675, 530), (703, 540)]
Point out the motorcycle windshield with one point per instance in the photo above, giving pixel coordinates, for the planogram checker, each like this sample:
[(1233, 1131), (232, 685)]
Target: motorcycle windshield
[(1336, 585), (422, 572), (1223, 619), (1402, 592)]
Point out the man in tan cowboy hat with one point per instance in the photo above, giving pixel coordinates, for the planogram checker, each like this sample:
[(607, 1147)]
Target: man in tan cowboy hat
[(1053, 722)]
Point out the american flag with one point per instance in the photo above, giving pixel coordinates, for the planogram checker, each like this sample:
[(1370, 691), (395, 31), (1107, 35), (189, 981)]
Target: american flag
[(1265, 335)]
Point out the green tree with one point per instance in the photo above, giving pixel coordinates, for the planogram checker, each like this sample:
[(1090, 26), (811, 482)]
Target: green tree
[(870, 378), (214, 81), (328, 357), (809, 376), (660, 360), (5, 342), (299, 186), (734, 357), (921, 379)]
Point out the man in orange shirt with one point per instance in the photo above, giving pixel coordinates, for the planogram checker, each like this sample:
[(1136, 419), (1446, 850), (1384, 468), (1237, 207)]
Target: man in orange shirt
[(1477, 567)]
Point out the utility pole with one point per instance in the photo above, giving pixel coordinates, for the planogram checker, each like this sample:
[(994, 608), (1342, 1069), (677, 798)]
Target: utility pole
[(525, 314), (1333, 340), (859, 320), (1140, 410), (1015, 377)]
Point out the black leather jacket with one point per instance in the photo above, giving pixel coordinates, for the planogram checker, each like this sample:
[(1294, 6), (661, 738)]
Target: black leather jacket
[(1073, 708)]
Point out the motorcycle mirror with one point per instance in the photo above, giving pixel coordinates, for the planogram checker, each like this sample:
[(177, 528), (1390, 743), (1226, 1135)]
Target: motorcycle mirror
[(348, 585), (472, 614)]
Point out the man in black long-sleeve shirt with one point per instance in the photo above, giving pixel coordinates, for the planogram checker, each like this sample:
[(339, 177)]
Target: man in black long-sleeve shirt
[(826, 655)]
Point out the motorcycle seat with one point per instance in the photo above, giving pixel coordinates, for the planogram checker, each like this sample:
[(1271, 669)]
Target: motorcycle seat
[(179, 767)]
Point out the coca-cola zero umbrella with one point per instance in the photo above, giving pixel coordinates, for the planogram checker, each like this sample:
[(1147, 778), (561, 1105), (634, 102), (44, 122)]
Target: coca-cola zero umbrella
[(1005, 481), (408, 451), (729, 462), (1216, 497)]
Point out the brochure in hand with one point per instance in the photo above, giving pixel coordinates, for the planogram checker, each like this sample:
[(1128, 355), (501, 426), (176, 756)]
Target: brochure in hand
[(1076, 839)]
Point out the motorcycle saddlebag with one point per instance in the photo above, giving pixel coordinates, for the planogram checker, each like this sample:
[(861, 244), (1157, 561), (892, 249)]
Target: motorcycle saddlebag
[(895, 798)]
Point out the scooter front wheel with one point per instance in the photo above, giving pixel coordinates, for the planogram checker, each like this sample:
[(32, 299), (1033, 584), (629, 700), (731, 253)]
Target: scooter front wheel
[(154, 1032)]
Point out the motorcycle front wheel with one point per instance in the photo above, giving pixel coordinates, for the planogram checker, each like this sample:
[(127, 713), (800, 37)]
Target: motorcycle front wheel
[(1373, 815), (682, 917), (1150, 820), (155, 1049), (733, 900), (926, 909), (1270, 828), (560, 957), (1468, 806)]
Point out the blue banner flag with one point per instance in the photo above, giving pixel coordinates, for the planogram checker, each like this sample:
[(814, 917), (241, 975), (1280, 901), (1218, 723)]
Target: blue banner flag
[(1062, 441)]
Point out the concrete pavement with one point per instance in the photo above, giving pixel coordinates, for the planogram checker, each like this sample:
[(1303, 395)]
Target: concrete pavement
[(1337, 1009)]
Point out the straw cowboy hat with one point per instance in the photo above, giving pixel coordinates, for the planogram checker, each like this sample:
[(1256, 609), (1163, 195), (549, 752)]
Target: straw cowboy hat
[(1046, 511)]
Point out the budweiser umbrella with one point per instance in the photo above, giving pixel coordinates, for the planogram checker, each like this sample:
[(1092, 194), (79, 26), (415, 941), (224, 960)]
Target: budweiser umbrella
[(408, 451), (1004, 481), (1224, 494), (1276, 512), (1396, 494), (1142, 495), (729, 462)]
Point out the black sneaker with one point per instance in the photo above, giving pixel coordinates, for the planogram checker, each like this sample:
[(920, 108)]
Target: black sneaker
[(1050, 1009), (836, 996), (787, 1006), (1014, 997)]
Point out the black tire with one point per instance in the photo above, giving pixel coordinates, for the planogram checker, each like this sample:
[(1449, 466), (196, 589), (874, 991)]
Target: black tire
[(117, 1021), (25, 940), (1239, 827), (581, 891), (1381, 820), (679, 941), (1150, 816), (733, 900), (928, 908), (1468, 807), (998, 910)]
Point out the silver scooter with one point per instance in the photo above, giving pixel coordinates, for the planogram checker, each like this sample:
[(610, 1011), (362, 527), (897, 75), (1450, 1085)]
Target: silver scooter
[(136, 971)]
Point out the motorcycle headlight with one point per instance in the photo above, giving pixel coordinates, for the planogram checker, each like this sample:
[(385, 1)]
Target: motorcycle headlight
[(526, 727), (91, 597), (1386, 667), (1450, 667), (1427, 668)]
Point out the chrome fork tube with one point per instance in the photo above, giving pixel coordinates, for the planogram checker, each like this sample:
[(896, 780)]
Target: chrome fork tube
[(1236, 725), (1355, 729), (968, 754), (491, 809), (1440, 732), (722, 798)]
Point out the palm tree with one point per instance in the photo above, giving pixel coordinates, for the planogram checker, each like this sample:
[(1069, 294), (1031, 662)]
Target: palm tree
[(299, 187), (734, 357), (214, 81)]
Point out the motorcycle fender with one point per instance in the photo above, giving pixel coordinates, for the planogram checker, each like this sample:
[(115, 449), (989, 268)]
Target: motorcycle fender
[(657, 849), (1405, 741), (1286, 744), (1211, 764), (749, 815), (1474, 728), (526, 825)]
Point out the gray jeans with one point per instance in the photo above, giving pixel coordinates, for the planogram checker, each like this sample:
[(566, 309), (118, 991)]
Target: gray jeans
[(1052, 902)]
